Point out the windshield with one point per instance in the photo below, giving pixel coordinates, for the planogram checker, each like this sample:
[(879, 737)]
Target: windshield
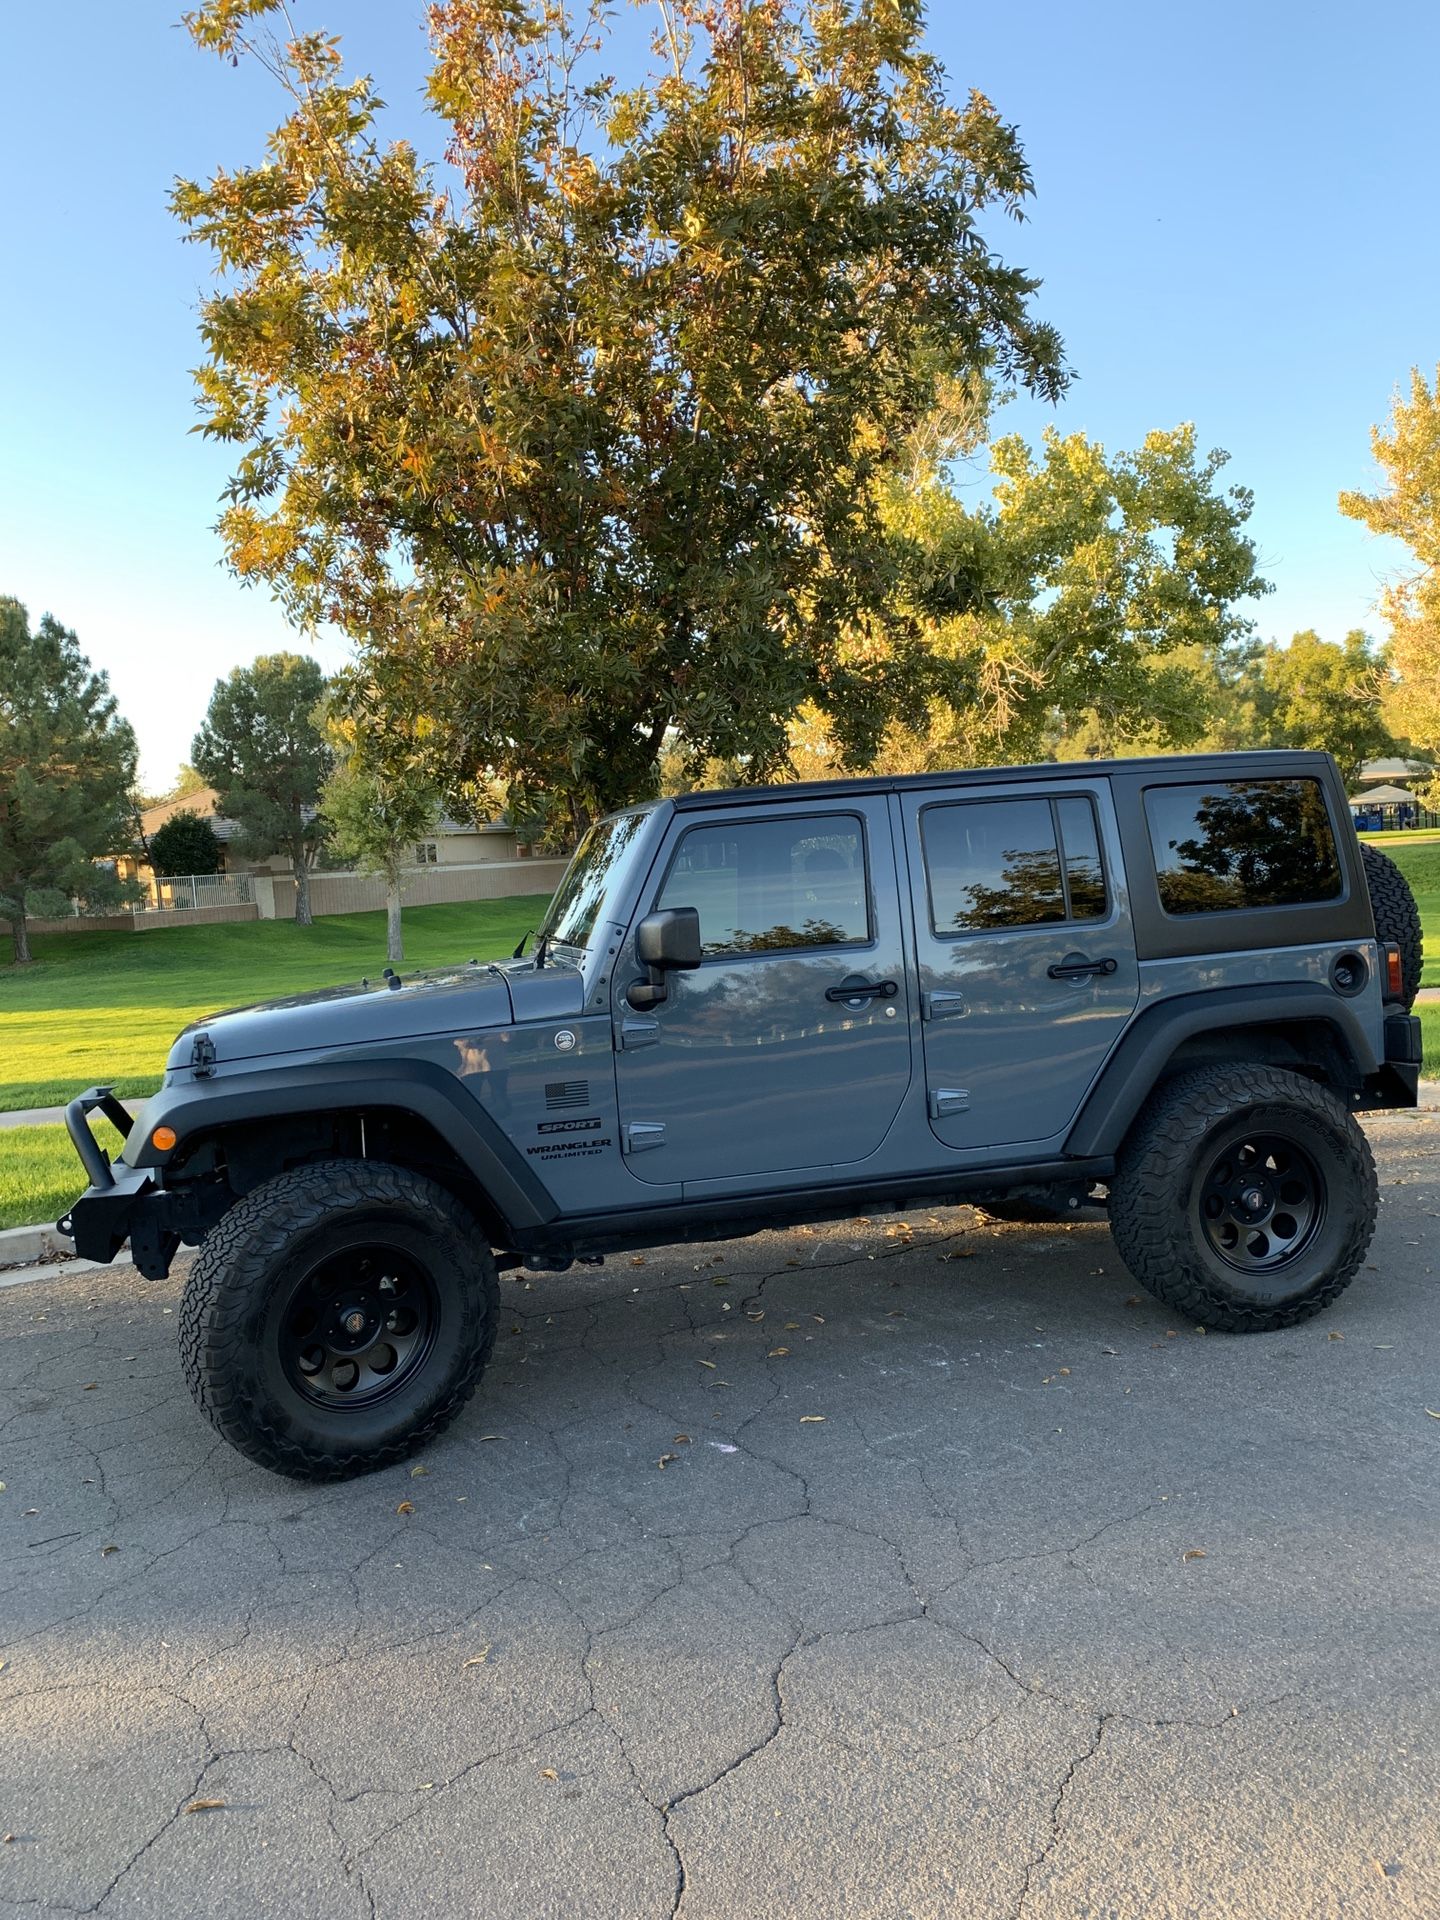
[(590, 879)]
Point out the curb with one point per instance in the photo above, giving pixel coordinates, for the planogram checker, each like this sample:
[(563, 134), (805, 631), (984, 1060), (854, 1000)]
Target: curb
[(20, 1246)]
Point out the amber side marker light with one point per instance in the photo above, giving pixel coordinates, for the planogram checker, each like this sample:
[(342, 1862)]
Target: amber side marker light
[(163, 1139), (1394, 974)]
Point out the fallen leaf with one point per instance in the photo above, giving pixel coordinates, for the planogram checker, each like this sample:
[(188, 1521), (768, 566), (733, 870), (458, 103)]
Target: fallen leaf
[(1336, 1336), (114, 1549), (792, 1326), (1202, 1329), (1432, 1413), (777, 1353), (1193, 1553), (548, 1773), (478, 1659), (418, 1473), (492, 1436), (7, 1839), (818, 1318), (707, 1363), (406, 1506), (1133, 1301), (815, 1419), (665, 1460), (1063, 1370), (90, 1386), (3, 1665), (682, 1440), (204, 1806)]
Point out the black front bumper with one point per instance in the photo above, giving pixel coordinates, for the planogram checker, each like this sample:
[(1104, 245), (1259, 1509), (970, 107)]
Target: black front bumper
[(121, 1203)]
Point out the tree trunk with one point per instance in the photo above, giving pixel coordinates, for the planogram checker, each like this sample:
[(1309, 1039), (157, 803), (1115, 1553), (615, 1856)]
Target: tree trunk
[(303, 915), (394, 933), (21, 931)]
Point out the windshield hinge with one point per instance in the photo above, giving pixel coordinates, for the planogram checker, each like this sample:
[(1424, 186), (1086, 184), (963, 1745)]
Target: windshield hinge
[(202, 1056)]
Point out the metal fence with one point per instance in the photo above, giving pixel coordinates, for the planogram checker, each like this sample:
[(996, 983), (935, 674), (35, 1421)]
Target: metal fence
[(174, 893)]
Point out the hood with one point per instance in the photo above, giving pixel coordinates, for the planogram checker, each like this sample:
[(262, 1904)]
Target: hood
[(439, 1000)]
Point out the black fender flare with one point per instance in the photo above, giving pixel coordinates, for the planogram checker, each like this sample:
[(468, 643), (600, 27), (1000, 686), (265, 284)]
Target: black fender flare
[(411, 1086), (1130, 1074)]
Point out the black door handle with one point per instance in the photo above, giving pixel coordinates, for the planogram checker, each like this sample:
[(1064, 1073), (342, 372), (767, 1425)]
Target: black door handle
[(1076, 967), (864, 990)]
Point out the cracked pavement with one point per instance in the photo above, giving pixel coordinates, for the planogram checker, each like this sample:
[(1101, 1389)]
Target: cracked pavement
[(970, 1584)]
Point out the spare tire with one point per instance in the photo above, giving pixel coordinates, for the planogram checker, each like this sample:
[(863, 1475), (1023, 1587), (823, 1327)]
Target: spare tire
[(1397, 918)]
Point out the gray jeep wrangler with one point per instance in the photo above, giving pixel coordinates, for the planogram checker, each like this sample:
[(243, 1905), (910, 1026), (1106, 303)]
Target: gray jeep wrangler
[(1165, 986)]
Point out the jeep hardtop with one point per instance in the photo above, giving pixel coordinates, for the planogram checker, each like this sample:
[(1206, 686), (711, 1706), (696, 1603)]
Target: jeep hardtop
[(1164, 986)]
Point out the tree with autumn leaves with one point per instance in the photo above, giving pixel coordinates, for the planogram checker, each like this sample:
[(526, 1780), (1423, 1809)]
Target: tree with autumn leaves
[(589, 426)]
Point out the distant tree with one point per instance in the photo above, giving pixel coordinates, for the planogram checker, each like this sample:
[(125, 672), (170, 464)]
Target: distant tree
[(588, 426), (1407, 508), (1314, 693), (185, 843), (262, 749), (67, 766), (380, 799)]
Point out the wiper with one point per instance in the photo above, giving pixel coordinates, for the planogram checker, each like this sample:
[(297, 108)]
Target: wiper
[(542, 946)]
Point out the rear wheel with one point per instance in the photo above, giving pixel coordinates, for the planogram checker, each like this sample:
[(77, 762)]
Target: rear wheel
[(1244, 1197), (1397, 918), (338, 1317)]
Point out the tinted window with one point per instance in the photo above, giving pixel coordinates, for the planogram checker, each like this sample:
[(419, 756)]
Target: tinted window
[(1242, 843), (764, 885), (1012, 863), (1084, 874)]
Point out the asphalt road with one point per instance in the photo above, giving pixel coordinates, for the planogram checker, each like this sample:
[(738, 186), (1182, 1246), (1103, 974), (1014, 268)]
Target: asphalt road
[(961, 1583)]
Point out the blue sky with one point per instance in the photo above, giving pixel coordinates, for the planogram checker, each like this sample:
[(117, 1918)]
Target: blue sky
[(1235, 219)]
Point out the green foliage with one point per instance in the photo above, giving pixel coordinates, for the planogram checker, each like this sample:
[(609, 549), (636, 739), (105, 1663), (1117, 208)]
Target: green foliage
[(1314, 693), (381, 797), (594, 438), (67, 765), (1408, 509), (1088, 608), (185, 843), (263, 750)]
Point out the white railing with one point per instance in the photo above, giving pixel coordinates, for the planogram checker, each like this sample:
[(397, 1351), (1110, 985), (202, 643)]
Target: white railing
[(173, 892)]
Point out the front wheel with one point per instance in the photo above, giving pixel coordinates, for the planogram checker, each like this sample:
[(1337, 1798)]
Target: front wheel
[(1245, 1198), (338, 1317)]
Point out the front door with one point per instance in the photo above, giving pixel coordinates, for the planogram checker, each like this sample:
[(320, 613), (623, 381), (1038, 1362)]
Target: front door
[(788, 1050), (1028, 973)]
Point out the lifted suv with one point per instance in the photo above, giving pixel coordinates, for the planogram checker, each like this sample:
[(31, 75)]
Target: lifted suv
[(1165, 984)]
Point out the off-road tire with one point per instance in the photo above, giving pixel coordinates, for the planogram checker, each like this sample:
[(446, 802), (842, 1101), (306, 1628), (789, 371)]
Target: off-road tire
[(1153, 1197), (228, 1346), (1397, 918)]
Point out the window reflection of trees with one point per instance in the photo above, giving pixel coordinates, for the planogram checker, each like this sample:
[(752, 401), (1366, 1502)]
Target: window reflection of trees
[(1252, 843), (1028, 894), (581, 894)]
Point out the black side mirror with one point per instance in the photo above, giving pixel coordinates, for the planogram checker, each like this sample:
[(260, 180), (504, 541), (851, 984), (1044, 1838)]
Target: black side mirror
[(665, 942)]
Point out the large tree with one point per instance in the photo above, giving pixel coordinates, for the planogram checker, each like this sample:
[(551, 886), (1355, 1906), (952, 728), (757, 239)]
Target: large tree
[(262, 749), (67, 765), (589, 429), (1317, 693), (1092, 605), (1407, 507)]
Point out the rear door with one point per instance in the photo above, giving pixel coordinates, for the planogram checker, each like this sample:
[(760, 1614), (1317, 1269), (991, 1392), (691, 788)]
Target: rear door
[(1026, 953), (788, 1050)]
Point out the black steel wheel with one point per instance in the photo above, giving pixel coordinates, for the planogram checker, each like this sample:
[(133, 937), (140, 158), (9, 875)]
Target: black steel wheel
[(357, 1324), (338, 1317), (1244, 1197), (1260, 1201)]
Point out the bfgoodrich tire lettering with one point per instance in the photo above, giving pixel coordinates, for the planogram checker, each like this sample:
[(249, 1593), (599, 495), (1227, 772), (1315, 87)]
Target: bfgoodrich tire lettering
[(1313, 1175), (238, 1343)]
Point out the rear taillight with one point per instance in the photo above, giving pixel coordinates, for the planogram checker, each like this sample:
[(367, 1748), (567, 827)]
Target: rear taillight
[(1394, 974)]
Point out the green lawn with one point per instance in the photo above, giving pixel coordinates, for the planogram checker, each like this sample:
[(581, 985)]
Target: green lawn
[(106, 1006), (40, 1174), (1418, 857)]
